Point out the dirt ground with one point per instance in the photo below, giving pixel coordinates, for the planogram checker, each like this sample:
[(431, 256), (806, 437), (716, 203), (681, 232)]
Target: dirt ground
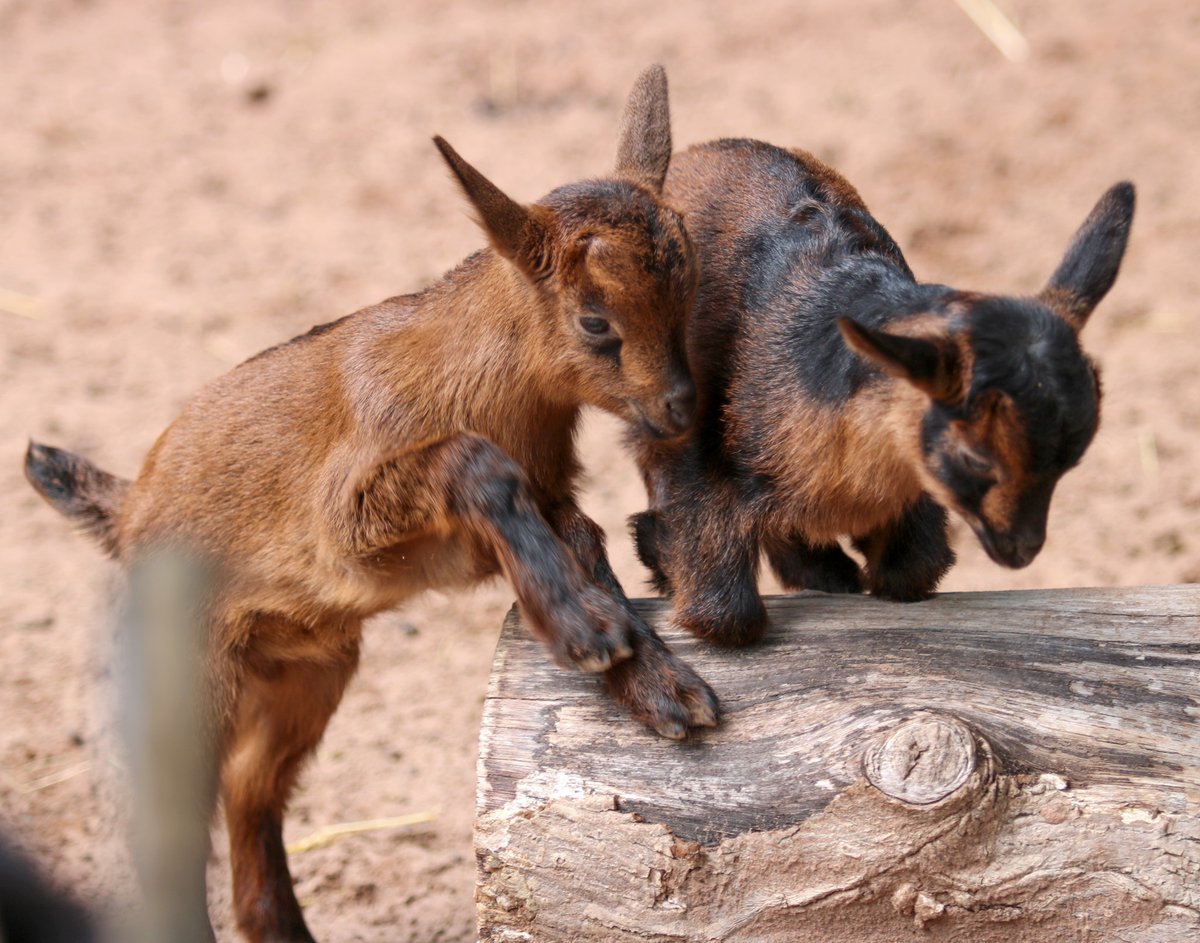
[(183, 183)]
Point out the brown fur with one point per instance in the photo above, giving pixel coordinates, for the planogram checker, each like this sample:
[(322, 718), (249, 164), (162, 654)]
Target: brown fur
[(424, 442)]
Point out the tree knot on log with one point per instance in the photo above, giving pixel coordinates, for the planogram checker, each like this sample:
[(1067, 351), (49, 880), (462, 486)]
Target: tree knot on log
[(927, 759)]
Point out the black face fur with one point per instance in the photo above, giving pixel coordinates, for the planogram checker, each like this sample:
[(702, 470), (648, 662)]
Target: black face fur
[(1030, 412), (1014, 402)]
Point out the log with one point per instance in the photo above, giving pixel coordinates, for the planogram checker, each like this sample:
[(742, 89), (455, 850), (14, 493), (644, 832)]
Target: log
[(983, 766)]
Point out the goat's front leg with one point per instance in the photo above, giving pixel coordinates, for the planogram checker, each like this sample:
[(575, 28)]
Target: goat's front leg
[(908, 558), (701, 547), (801, 565), (466, 485), (708, 547), (654, 685)]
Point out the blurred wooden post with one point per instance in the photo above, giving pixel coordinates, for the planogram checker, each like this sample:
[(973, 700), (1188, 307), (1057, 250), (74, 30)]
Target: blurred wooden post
[(172, 775), (986, 766)]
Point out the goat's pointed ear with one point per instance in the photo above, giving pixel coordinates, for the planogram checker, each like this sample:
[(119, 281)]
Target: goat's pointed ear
[(930, 364), (519, 233), (1090, 266), (645, 147)]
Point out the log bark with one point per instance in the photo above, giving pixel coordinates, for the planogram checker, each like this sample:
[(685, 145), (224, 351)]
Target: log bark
[(983, 766)]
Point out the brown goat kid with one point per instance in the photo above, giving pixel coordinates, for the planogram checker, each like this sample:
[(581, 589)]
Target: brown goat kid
[(840, 398), (425, 442)]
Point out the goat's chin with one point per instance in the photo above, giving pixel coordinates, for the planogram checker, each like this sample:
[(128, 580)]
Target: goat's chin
[(1015, 560), (985, 541)]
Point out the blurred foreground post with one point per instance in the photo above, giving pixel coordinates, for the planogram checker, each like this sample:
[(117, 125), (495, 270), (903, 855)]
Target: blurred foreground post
[(171, 766), (983, 767)]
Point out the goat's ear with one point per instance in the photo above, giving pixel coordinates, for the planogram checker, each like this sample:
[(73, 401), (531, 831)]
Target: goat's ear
[(1090, 266), (931, 364), (645, 147), (519, 233)]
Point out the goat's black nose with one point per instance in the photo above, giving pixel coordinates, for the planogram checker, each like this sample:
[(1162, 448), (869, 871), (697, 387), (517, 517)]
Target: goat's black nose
[(679, 405), (1018, 550)]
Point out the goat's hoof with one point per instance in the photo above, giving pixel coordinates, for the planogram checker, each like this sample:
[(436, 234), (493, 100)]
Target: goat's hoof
[(726, 632), (664, 694), (595, 638)]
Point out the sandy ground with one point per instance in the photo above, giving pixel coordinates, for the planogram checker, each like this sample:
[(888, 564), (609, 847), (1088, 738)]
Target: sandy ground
[(184, 183)]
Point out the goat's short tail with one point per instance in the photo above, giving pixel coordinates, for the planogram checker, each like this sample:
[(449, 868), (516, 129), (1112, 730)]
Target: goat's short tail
[(74, 486)]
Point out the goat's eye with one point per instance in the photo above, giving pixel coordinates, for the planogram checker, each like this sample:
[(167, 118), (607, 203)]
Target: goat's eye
[(975, 462), (595, 326)]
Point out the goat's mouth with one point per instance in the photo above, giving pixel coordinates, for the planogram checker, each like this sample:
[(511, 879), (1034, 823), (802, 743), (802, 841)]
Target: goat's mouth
[(648, 425), (989, 546)]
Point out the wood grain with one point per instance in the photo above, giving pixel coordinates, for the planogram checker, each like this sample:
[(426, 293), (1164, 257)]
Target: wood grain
[(1085, 709)]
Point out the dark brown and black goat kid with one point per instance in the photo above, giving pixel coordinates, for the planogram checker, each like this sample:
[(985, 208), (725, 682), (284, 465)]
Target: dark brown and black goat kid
[(427, 441), (840, 398)]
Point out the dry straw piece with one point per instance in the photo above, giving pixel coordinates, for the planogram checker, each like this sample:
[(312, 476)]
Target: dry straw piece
[(331, 833), (22, 305), (997, 27)]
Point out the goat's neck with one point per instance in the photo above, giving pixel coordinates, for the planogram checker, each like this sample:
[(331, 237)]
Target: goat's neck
[(474, 353), (502, 337)]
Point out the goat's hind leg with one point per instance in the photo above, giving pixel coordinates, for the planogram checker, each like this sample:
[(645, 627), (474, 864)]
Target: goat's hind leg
[(467, 484), (281, 712)]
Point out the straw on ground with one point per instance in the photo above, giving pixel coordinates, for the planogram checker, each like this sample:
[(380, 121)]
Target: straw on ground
[(331, 833), (997, 27)]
